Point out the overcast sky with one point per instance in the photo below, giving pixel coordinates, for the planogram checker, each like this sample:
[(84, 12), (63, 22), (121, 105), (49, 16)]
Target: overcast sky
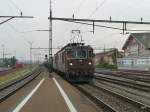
[(15, 33)]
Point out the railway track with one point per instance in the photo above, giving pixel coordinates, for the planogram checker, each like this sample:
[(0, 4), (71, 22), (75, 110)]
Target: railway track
[(4, 69), (11, 87), (134, 72), (111, 101), (136, 95), (100, 103), (125, 71), (134, 75), (141, 85), (5, 72)]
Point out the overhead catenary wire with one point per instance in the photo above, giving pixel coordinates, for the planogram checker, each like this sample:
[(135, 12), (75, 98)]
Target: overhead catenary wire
[(15, 5), (79, 6), (109, 27), (97, 8), (17, 8), (8, 33), (10, 25), (14, 29)]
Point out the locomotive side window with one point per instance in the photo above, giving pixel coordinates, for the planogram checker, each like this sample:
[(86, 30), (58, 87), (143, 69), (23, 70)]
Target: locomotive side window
[(63, 57), (90, 54), (55, 58)]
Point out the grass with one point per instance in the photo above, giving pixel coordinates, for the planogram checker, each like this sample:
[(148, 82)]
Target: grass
[(106, 66), (14, 75)]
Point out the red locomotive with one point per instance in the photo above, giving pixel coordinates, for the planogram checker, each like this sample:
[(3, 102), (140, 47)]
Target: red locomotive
[(75, 62)]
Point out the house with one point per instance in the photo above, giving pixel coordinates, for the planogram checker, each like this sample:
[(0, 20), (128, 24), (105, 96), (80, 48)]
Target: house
[(108, 56), (136, 52), (137, 44)]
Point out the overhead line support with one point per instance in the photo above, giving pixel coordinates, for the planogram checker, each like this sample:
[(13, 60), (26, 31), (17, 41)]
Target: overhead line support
[(6, 20), (83, 21), (16, 16), (12, 17), (43, 48), (102, 21)]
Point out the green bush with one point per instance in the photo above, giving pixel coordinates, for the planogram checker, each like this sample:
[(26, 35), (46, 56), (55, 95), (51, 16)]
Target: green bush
[(106, 66)]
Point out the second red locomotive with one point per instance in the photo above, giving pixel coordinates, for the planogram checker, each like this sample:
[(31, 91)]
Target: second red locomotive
[(75, 62)]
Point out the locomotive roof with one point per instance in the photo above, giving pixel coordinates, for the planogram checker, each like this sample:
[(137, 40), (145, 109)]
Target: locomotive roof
[(74, 45)]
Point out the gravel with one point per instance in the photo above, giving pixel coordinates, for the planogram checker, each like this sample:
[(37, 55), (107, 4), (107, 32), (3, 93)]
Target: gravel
[(116, 102)]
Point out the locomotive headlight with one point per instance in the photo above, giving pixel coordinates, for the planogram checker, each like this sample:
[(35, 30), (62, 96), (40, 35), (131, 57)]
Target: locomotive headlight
[(70, 64), (90, 63)]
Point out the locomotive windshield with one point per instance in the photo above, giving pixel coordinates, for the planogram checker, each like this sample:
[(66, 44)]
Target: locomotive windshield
[(71, 54), (79, 54)]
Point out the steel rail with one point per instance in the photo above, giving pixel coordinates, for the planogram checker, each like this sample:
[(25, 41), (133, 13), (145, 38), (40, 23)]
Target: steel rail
[(128, 82), (10, 88), (96, 100), (127, 75), (125, 71), (132, 101)]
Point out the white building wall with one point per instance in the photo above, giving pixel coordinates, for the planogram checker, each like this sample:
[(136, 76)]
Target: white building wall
[(141, 63), (134, 48)]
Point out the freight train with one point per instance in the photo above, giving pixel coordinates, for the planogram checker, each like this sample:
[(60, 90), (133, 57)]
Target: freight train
[(75, 62)]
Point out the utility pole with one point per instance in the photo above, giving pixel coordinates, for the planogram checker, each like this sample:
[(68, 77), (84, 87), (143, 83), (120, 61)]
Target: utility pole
[(30, 44), (50, 38)]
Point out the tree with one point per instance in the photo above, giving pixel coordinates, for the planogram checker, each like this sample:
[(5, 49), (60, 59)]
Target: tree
[(13, 61), (115, 56)]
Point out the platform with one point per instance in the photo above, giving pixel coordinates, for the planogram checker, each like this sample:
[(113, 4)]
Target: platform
[(45, 95)]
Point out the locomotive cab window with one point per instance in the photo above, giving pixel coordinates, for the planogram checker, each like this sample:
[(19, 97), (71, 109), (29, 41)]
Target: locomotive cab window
[(81, 54), (71, 54)]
